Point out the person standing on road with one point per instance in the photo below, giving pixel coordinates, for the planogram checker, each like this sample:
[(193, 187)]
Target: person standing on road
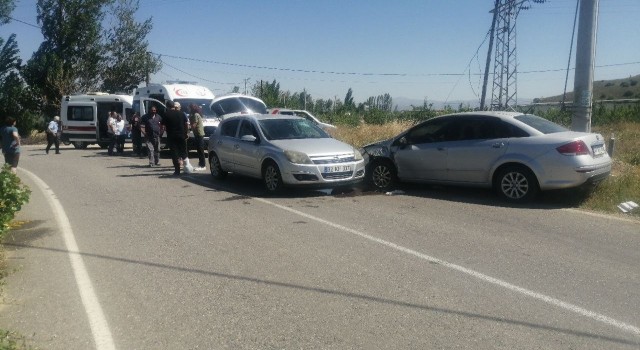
[(151, 131), (177, 127), (121, 133), (111, 131), (10, 143), (53, 135), (136, 138), (197, 126)]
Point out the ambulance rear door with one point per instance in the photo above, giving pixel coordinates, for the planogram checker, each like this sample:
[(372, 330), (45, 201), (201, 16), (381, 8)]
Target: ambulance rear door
[(79, 121)]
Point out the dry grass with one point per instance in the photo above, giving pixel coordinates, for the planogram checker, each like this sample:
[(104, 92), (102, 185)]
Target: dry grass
[(365, 134)]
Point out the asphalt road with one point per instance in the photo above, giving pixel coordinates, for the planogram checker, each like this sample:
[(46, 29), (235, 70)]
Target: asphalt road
[(117, 255)]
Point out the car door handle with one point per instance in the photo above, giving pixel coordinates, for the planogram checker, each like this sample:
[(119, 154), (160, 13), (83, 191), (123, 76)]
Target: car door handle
[(440, 148), (498, 145)]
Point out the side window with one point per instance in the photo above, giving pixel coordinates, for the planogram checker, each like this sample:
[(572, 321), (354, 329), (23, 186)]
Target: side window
[(497, 129), (246, 128), (429, 131), (80, 113), (229, 128)]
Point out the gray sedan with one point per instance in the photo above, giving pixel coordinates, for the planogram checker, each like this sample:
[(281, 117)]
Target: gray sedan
[(517, 154), (283, 151)]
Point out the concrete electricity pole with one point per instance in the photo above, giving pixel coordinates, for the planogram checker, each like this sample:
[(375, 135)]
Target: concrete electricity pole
[(585, 59)]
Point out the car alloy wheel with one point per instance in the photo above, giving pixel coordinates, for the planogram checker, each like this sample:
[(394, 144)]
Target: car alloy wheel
[(216, 168), (272, 178), (382, 175), (517, 184)]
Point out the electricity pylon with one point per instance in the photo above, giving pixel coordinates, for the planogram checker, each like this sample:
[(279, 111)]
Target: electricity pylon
[(504, 94)]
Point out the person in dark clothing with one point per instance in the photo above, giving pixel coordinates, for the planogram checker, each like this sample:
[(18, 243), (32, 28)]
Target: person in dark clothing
[(177, 127), (151, 131), (136, 135)]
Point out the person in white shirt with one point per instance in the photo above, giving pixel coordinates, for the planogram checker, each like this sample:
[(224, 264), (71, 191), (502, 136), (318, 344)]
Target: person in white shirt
[(121, 133), (53, 134), (111, 131)]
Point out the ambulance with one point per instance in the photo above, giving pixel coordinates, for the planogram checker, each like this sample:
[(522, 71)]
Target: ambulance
[(186, 93), (84, 117)]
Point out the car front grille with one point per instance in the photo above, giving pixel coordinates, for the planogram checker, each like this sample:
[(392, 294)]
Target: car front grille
[(337, 176), (334, 159)]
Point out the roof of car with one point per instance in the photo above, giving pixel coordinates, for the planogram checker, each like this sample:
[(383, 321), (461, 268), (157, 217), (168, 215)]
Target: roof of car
[(503, 114), (259, 117)]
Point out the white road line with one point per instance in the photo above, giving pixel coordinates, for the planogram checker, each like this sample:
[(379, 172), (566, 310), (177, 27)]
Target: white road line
[(99, 327), (547, 299)]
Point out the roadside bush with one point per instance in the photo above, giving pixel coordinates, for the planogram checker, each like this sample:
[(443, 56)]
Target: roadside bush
[(377, 117), (13, 194)]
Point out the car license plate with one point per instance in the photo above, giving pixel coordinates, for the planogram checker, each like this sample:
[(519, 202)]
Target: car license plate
[(337, 168), (598, 150)]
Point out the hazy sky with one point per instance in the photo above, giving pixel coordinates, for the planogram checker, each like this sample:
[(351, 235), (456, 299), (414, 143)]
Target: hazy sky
[(434, 49)]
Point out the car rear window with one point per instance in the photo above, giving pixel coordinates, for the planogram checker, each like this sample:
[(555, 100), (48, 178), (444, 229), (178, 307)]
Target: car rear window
[(540, 124)]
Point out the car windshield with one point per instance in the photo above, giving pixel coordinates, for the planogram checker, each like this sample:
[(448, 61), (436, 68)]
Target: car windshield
[(287, 129), (204, 104), (541, 124)]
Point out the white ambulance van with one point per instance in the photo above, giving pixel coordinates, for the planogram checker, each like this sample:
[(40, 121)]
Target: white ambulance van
[(84, 117), (186, 93)]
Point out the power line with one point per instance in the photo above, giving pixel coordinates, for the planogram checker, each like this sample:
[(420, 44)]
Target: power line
[(23, 22), (379, 74)]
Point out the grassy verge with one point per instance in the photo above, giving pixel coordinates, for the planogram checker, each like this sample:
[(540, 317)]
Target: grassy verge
[(623, 185)]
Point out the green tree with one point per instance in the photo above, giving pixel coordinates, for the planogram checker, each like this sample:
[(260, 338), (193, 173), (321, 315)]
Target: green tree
[(6, 7), (16, 99), (70, 59), (267, 92), (128, 61), (348, 100)]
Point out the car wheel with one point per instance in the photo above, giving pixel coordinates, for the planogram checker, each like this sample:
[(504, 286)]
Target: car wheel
[(272, 178), (516, 184), (103, 145), (382, 175), (216, 168), (79, 144)]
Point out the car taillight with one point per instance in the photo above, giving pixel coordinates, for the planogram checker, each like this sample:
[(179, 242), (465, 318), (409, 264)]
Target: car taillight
[(575, 148)]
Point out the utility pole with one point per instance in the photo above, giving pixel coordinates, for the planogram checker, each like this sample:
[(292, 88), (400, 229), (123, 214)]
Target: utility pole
[(504, 95), (496, 8), (245, 85), (585, 59)]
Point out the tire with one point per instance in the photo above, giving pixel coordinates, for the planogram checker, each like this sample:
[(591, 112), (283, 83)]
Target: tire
[(79, 144), (216, 168), (517, 184), (103, 145), (272, 178), (382, 175)]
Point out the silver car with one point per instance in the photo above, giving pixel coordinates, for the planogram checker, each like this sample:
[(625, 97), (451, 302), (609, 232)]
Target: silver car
[(283, 151), (517, 154)]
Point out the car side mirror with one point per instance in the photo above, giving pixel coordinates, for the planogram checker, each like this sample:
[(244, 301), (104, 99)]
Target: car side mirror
[(402, 142), (249, 138)]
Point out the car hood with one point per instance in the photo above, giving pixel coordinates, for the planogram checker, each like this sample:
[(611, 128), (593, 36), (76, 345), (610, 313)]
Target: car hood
[(314, 147)]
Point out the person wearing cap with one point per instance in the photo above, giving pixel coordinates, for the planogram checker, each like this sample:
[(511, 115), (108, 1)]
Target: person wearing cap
[(53, 134)]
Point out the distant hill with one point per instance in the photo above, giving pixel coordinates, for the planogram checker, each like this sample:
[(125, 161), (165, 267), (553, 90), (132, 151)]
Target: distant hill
[(616, 89)]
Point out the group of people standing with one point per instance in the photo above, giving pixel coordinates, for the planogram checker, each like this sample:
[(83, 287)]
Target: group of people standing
[(117, 132), (177, 125), (148, 128)]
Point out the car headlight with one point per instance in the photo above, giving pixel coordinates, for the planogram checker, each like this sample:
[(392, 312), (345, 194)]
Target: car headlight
[(297, 157), (357, 155)]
